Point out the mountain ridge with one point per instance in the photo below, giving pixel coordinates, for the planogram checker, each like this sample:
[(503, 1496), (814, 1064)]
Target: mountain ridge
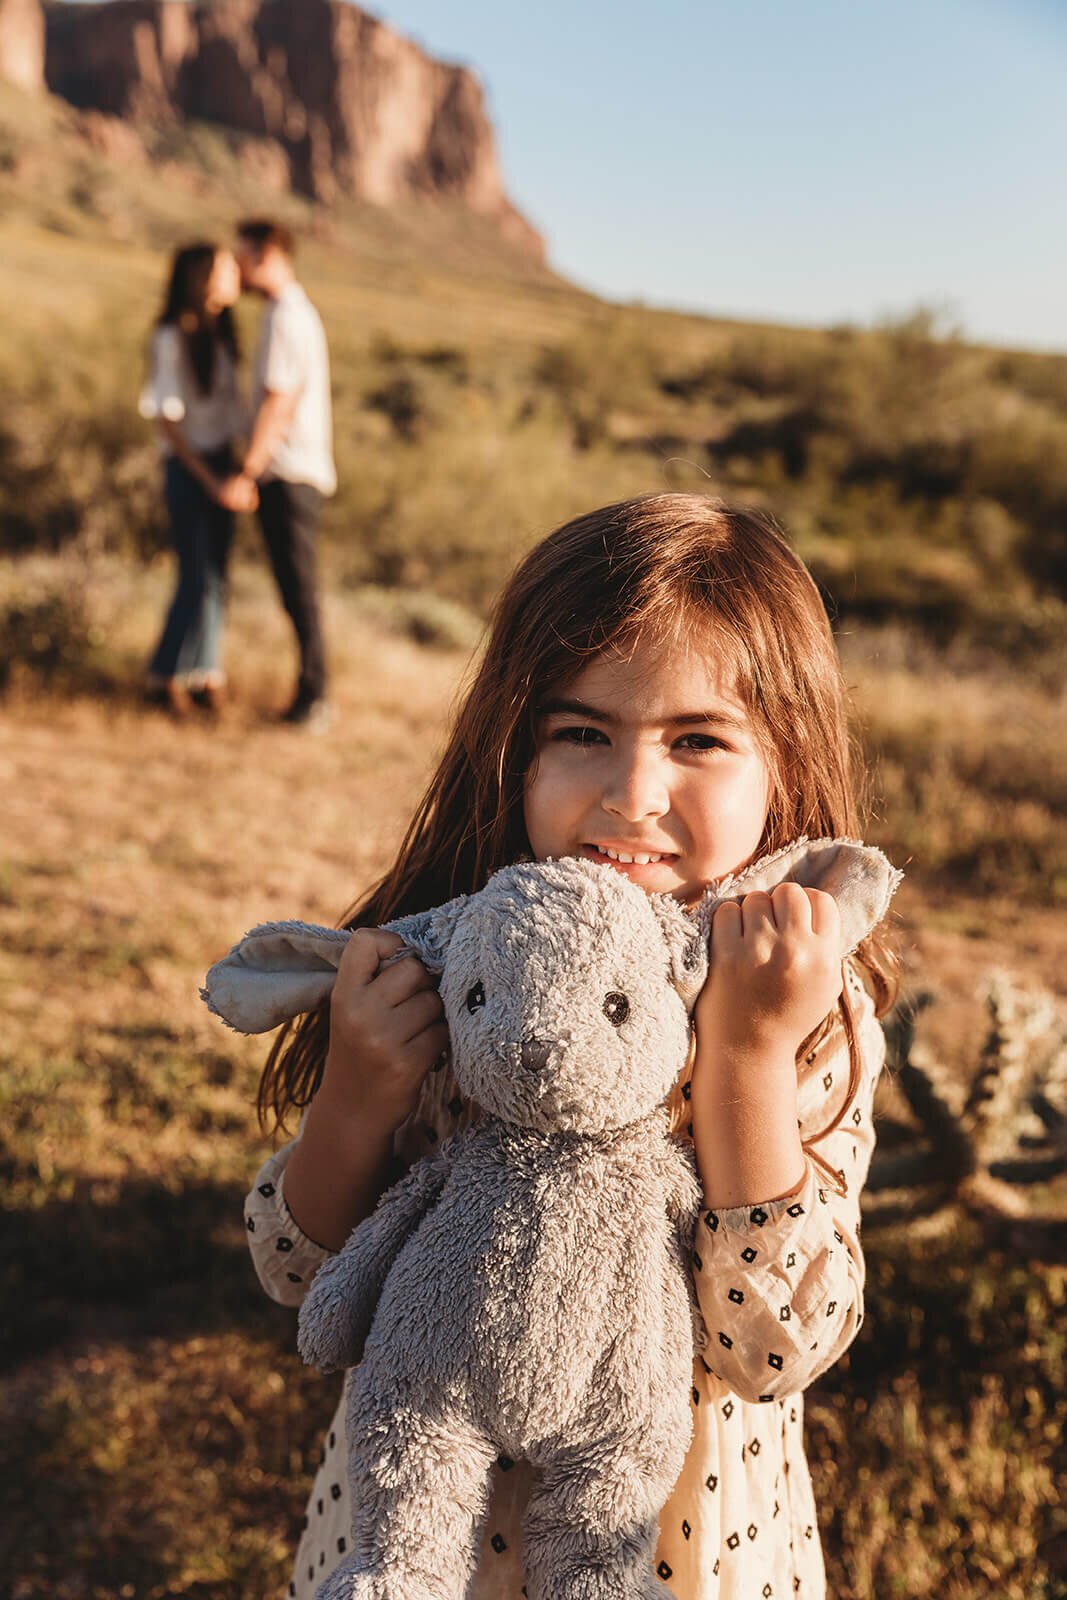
[(342, 103)]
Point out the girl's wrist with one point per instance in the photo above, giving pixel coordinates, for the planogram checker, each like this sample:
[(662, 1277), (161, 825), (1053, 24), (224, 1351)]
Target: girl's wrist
[(748, 1148), (344, 1098), (743, 1063), (348, 1137), (338, 1170), (744, 1105)]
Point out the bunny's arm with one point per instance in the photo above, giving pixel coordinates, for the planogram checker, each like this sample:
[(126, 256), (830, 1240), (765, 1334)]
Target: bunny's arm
[(339, 1308), (682, 1189), (780, 1283)]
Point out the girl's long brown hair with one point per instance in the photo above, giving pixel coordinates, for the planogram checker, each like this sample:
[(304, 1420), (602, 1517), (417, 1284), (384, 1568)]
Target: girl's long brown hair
[(669, 565)]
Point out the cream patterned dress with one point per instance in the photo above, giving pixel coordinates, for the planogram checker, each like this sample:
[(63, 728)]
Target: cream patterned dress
[(780, 1286)]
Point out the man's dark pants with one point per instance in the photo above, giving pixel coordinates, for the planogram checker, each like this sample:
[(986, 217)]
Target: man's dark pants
[(289, 517)]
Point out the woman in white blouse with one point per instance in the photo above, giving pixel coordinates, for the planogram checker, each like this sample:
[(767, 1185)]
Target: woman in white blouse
[(192, 394)]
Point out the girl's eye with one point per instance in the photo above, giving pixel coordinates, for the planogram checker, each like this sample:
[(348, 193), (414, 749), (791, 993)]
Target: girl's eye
[(475, 998), (702, 741), (616, 1009)]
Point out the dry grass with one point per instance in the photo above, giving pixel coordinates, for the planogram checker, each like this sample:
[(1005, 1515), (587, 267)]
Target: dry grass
[(936, 1446), (969, 773), (135, 852)]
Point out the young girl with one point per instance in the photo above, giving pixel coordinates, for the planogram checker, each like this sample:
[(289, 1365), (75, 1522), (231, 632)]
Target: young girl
[(660, 693), (192, 395)]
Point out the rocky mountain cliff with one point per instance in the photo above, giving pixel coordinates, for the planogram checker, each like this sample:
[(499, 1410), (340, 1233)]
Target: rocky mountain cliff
[(350, 105)]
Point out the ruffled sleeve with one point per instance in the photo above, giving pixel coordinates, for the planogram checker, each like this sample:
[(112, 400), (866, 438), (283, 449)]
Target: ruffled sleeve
[(164, 392), (780, 1284), (284, 1257)]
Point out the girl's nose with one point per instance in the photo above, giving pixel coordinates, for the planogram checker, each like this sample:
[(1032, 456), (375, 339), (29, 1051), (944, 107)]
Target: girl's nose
[(636, 788)]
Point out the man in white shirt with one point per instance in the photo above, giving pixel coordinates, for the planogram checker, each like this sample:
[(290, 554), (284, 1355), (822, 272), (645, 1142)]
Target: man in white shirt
[(289, 460)]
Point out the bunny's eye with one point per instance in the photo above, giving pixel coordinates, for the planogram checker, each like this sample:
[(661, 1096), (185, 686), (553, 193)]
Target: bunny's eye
[(616, 1009), (475, 998)]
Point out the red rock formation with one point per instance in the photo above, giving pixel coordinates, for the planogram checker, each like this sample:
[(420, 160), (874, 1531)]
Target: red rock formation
[(22, 43), (355, 107), (124, 58)]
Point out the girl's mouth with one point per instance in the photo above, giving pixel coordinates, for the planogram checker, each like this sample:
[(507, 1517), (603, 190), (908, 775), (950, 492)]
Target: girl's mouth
[(629, 861)]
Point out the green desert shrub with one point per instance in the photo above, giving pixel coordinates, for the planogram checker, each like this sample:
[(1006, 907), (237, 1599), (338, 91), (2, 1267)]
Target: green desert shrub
[(403, 400), (48, 637), (611, 363)]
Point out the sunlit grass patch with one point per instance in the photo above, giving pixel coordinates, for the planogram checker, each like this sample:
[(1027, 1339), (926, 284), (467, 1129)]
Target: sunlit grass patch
[(930, 1501), (967, 765), (936, 1445)]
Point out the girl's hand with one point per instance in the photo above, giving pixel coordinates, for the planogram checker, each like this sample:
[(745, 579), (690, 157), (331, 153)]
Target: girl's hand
[(775, 973), (386, 1030)]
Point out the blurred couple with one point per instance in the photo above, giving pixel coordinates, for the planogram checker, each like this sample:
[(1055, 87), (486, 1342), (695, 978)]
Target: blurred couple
[(283, 473)]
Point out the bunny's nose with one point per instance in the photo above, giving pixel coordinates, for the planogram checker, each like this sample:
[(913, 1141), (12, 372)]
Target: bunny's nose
[(534, 1054)]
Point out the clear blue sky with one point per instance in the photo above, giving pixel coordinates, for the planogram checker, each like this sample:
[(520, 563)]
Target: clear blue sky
[(811, 161)]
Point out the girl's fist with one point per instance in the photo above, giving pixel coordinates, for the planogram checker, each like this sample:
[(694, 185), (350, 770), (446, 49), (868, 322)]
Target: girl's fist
[(386, 1028), (775, 970)]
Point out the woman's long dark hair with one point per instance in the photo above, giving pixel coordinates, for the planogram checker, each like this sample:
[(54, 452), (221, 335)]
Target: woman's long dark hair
[(184, 308), (669, 565)]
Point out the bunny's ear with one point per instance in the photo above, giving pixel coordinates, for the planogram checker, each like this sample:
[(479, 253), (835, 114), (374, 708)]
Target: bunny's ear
[(687, 947), (276, 972), (429, 933), (282, 969), (859, 877)]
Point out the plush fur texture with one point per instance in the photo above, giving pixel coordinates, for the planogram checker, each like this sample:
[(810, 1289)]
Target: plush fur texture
[(525, 1291)]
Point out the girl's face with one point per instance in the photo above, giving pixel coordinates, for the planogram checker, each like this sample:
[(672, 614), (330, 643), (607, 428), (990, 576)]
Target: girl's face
[(648, 762)]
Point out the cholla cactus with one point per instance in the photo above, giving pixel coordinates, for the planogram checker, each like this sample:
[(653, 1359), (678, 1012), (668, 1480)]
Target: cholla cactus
[(978, 1147)]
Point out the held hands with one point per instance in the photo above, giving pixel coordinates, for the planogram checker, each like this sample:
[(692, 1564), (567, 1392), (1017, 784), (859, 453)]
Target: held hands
[(386, 1030), (775, 974), (238, 493)]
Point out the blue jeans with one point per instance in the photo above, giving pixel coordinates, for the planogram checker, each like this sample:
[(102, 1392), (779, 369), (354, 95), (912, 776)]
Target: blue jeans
[(191, 642)]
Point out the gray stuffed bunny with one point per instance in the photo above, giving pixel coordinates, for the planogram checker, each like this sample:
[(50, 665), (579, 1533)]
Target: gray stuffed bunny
[(525, 1292)]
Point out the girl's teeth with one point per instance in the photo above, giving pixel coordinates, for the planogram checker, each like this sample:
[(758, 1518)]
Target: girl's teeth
[(634, 861)]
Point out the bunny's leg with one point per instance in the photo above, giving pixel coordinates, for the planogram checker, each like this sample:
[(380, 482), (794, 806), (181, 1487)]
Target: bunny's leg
[(420, 1492), (591, 1524)]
